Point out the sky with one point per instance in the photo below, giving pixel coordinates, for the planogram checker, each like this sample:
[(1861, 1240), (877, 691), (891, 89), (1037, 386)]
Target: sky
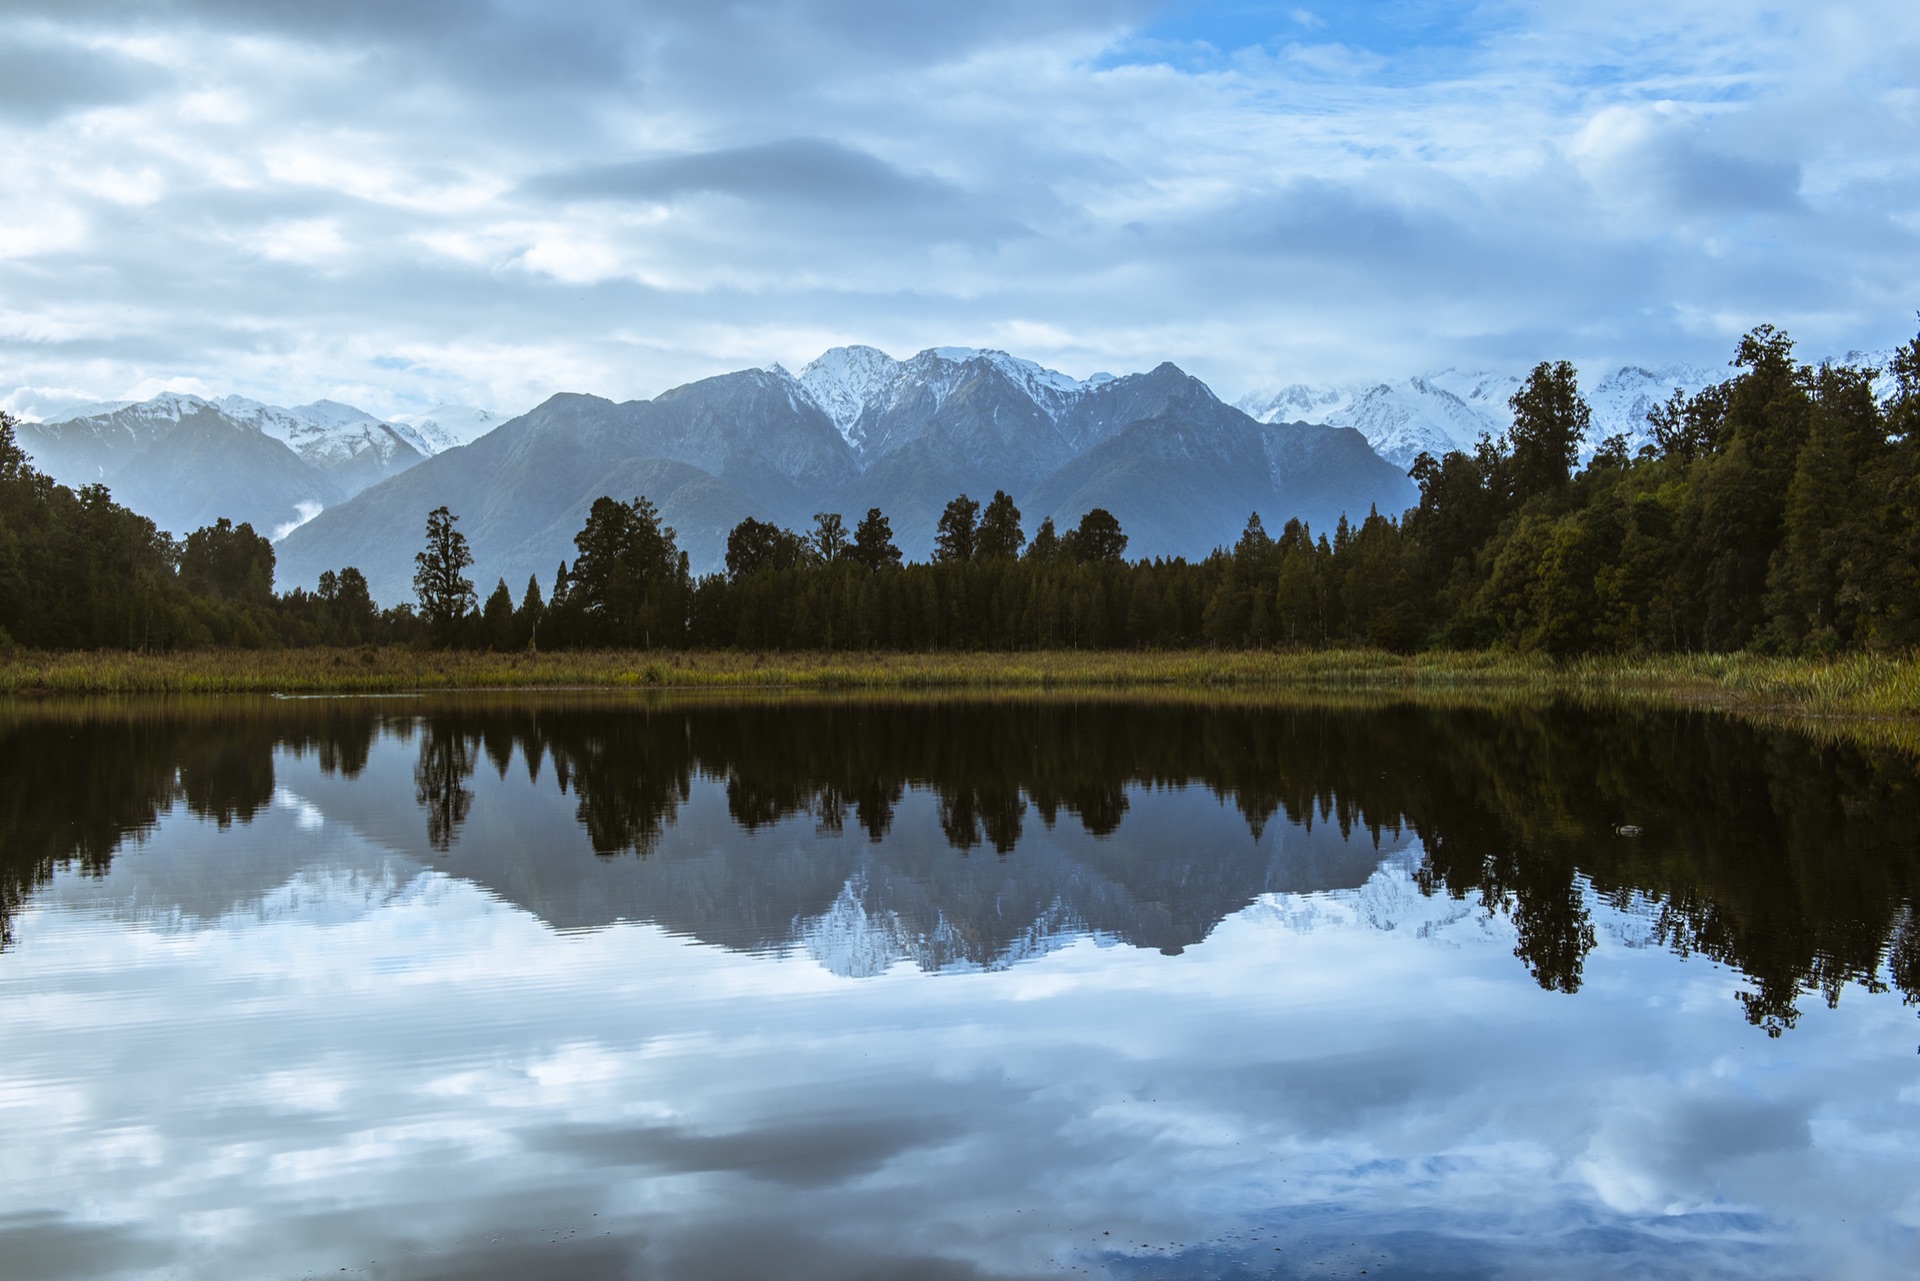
[(399, 203)]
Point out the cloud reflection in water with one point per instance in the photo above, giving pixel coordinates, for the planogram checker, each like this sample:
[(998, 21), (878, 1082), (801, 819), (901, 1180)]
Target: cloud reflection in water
[(314, 1046)]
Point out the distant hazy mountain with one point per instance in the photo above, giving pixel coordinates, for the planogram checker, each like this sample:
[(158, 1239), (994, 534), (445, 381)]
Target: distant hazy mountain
[(185, 461), (1452, 409), (446, 427), (858, 429)]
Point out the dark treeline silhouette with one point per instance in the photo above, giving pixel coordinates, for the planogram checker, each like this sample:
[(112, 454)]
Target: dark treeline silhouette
[(1778, 511), (1789, 859), (79, 571)]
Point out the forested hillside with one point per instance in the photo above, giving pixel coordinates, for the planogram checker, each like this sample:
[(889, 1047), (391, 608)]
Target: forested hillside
[(1778, 510)]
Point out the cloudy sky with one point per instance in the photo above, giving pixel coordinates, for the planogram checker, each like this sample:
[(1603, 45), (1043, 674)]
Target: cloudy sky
[(401, 202)]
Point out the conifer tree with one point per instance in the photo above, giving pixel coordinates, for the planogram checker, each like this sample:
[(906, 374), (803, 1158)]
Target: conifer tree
[(439, 582), (496, 618), (999, 536), (1046, 543), (873, 545), (1549, 422), (957, 536), (1097, 539)]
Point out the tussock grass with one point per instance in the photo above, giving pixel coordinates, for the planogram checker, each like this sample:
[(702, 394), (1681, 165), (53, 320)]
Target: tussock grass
[(1857, 685), (1869, 700)]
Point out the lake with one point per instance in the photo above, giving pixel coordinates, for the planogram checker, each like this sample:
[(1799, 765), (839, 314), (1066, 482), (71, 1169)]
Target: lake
[(868, 988)]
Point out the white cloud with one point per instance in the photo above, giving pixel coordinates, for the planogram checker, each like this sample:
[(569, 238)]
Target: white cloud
[(274, 202), (434, 1066)]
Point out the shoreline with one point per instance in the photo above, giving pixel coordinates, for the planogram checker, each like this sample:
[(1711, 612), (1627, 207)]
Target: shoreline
[(1863, 685)]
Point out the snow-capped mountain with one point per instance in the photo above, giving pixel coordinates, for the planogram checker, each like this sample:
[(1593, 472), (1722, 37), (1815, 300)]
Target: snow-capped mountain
[(446, 427), (853, 385), (845, 380), (185, 461), (855, 430), (328, 434), (1452, 409)]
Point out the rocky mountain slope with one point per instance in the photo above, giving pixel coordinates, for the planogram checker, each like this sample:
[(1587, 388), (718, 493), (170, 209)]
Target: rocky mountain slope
[(857, 429)]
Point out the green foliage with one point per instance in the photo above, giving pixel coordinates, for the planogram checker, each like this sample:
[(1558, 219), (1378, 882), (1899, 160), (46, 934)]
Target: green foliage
[(873, 548), (999, 535), (1549, 422), (629, 585), (1046, 543), (1775, 512), (828, 540), (957, 535), (1096, 539), (445, 593), (757, 546), (228, 563), (79, 571)]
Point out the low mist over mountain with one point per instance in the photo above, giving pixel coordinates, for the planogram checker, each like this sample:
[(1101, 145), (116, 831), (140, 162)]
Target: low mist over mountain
[(185, 461), (857, 429)]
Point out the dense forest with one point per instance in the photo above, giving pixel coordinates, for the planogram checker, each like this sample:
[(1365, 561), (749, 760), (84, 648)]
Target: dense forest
[(1778, 510)]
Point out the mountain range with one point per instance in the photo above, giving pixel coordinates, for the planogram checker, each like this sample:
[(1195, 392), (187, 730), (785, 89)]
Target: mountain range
[(186, 461), (854, 429), (1452, 409), (857, 429)]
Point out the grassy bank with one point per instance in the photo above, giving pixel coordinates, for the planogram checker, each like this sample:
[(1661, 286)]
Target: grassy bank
[(1862, 685)]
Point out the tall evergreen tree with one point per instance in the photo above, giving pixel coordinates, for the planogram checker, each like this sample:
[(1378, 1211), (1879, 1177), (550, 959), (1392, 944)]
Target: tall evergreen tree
[(873, 546), (526, 619), (999, 536), (630, 584), (957, 536), (496, 618), (1549, 422), (1046, 542), (1097, 539), (439, 580)]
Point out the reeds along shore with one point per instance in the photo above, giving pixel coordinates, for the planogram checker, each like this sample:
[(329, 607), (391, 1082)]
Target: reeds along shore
[(1869, 685)]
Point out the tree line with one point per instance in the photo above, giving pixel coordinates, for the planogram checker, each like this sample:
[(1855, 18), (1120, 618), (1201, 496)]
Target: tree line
[(79, 571), (1777, 510), (1518, 810)]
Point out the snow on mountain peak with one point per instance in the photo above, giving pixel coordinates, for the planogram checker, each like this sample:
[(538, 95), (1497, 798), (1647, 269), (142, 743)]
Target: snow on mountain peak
[(1451, 408), (446, 427), (845, 382)]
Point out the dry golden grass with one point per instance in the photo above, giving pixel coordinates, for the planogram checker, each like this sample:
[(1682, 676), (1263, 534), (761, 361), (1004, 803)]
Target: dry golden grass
[(1868, 699), (1871, 685)]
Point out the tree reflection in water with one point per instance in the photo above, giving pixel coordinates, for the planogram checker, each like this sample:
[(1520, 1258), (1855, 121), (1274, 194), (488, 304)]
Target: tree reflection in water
[(1789, 859)]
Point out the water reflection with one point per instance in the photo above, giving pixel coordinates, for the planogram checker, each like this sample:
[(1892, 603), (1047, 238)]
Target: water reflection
[(562, 988), (1790, 859)]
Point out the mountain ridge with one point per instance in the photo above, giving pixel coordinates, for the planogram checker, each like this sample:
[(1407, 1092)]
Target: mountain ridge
[(1180, 468)]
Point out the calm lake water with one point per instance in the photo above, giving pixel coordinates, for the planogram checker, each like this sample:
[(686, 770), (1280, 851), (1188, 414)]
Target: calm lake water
[(856, 989)]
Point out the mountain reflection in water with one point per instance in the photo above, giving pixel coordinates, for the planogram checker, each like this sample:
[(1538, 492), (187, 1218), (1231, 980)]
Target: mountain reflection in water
[(1792, 860)]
